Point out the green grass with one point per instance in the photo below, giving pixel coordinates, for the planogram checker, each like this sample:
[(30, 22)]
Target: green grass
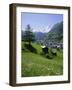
[(35, 64)]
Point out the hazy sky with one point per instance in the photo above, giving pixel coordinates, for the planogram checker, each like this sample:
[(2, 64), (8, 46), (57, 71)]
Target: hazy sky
[(40, 22)]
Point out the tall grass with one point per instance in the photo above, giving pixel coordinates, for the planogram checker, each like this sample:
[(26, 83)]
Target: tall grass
[(35, 64)]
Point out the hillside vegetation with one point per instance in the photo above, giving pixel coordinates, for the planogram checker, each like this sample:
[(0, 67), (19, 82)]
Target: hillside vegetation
[(34, 63)]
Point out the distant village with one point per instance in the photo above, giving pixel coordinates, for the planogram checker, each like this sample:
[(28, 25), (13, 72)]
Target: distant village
[(46, 46), (51, 44)]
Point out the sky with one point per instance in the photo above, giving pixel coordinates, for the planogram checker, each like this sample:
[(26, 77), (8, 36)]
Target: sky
[(40, 22)]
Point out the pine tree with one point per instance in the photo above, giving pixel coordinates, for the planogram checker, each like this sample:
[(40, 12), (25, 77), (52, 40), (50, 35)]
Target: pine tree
[(28, 35)]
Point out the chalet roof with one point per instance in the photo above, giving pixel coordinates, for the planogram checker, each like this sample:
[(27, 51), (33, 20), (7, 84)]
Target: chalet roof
[(43, 46)]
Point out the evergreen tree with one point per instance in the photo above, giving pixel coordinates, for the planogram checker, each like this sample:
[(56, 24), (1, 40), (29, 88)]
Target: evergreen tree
[(28, 35)]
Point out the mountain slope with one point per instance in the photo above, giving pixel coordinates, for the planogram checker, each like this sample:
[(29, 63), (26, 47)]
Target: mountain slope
[(39, 35), (56, 33)]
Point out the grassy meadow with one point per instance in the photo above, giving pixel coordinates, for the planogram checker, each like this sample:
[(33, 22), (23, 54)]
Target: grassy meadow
[(35, 63)]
